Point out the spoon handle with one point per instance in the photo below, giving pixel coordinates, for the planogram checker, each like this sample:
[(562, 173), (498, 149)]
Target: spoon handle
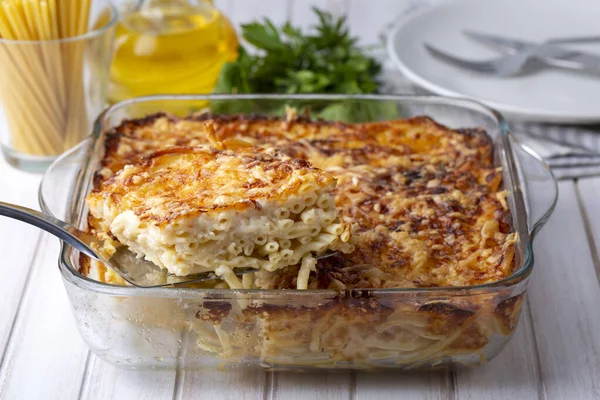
[(65, 232)]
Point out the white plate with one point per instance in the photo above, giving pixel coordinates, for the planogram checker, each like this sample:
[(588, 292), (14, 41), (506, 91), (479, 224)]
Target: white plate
[(550, 95)]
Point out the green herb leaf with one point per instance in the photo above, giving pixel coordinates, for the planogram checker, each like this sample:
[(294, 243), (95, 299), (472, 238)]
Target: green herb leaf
[(326, 59), (263, 36)]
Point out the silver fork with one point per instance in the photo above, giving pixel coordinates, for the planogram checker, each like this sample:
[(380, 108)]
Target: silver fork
[(508, 65), (547, 54)]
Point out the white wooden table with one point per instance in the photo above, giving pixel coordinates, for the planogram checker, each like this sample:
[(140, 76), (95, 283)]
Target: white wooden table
[(555, 353)]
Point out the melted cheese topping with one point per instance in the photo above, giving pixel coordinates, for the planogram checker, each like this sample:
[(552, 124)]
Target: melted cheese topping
[(188, 181), (424, 200)]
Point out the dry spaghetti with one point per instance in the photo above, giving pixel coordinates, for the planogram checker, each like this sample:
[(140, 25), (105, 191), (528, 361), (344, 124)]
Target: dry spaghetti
[(42, 78)]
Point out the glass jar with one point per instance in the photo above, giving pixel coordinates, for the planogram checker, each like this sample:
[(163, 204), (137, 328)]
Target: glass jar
[(169, 47), (52, 83)]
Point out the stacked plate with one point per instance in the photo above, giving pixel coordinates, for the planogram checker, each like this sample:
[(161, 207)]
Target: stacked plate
[(545, 95)]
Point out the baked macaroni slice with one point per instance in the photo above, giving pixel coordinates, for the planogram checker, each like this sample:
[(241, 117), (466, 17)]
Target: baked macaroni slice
[(423, 204), (196, 209)]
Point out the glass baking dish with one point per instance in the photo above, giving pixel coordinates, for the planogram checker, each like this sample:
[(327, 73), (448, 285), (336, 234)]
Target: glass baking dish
[(370, 329)]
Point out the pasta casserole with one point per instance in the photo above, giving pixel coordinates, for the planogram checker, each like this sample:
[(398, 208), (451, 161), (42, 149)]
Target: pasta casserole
[(416, 205), (196, 209)]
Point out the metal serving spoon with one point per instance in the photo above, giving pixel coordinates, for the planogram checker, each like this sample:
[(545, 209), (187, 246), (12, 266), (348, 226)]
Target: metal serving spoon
[(136, 271)]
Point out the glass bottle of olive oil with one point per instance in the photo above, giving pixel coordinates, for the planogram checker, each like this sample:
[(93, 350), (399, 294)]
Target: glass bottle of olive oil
[(169, 46)]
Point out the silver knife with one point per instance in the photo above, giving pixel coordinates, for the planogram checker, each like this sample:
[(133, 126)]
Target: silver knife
[(549, 52)]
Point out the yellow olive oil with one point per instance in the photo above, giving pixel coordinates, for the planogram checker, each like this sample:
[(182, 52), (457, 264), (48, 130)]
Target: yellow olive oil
[(170, 47)]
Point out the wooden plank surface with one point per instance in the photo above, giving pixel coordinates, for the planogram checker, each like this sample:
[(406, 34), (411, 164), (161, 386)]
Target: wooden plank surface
[(589, 195), (555, 353), (368, 22), (321, 385), (410, 386), (17, 245), (45, 357), (565, 295), (234, 385), (103, 381), (513, 374)]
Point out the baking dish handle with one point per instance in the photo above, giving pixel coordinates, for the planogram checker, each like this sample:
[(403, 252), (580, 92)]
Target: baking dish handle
[(538, 185)]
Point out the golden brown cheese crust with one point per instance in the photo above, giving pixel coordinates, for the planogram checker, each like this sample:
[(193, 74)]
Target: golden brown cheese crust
[(186, 181), (424, 200)]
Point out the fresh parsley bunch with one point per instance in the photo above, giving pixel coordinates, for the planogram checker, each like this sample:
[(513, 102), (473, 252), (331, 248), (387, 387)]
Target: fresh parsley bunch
[(288, 61)]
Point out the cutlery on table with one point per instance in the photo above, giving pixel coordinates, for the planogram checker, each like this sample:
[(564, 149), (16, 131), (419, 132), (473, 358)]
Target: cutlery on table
[(507, 65), (550, 52), (523, 52)]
